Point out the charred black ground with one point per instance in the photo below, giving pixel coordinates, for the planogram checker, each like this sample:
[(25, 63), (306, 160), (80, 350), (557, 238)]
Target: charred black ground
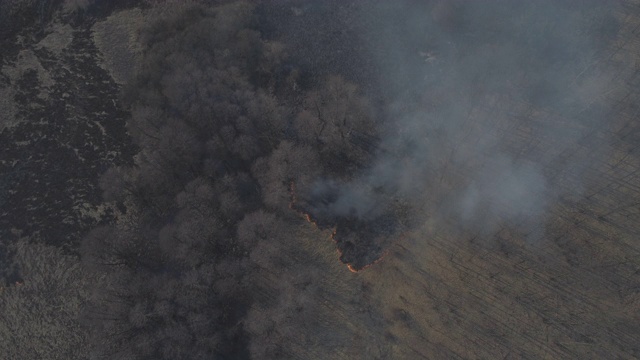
[(361, 239)]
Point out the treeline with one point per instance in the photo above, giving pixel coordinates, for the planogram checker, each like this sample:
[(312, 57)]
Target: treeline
[(224, 123), (223, 128)]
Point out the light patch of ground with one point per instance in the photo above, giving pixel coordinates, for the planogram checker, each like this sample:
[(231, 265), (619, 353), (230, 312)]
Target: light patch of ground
[(117, 39), (26, 61), (87, 210), (60, 37)]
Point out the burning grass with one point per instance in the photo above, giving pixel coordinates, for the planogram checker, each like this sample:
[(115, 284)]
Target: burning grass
[(361, 242)]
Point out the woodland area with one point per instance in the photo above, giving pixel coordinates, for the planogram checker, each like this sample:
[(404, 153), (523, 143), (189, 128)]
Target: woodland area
[(477, 178)]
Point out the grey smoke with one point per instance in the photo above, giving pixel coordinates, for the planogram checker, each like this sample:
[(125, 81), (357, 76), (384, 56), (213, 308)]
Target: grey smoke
[(488, 102)]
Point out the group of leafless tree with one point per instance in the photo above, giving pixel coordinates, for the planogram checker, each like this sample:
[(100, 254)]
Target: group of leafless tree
[(223, 129)]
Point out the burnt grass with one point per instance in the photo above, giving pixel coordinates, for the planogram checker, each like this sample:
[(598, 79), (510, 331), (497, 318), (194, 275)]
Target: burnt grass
[(361, 242)]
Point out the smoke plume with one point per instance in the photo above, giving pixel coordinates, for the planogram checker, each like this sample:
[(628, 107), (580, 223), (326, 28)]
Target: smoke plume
[(482, 102)]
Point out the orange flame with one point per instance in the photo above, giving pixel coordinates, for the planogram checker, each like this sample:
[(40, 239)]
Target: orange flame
[(309, 218)]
